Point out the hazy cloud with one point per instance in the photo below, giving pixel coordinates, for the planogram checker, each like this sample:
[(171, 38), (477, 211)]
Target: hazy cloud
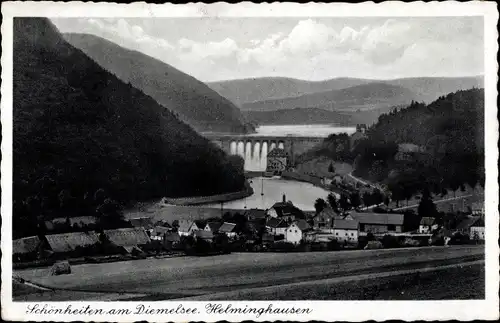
[(301, 48)]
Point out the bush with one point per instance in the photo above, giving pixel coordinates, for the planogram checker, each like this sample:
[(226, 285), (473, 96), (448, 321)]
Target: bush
[(283, 246)]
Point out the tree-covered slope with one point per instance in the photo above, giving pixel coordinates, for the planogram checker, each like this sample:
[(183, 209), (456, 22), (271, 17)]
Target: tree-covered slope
[(449, 133), (78, 128), (194, 102)]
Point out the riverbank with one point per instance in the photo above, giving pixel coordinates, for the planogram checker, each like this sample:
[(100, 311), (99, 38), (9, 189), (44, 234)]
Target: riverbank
[(219, 198)]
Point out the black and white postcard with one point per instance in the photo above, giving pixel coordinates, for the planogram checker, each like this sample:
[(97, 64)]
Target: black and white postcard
[(231, 162)]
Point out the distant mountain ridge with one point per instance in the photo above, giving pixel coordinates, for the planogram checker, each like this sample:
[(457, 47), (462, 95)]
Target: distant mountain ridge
[(360, 97), (194, 102), (250, 90)]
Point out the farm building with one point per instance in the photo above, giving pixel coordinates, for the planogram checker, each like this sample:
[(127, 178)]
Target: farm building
[(378, 223), (129, 239), (158, 233), (229, 229), (465, 225), (477, 208), (25, 249), (64, 243), (325, 218)]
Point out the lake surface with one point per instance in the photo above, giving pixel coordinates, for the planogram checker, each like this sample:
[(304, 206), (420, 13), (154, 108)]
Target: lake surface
[(314, 130), (301, 194)]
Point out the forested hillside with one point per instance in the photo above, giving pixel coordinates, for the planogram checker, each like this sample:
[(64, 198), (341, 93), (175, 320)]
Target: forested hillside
[(449, 133), (81, 136), (194, 102), (367, 96)]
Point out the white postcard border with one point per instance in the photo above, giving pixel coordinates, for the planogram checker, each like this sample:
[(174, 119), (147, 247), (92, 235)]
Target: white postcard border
[(321, 310)]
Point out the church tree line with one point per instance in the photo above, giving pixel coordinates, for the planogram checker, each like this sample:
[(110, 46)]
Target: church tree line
[(79, 129), (450, 134)]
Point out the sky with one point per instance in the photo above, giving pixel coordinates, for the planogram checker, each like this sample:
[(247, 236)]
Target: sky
[(316, 48)]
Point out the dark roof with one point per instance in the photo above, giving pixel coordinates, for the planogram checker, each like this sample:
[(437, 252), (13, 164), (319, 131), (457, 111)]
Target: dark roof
[(277, 152), (159, 231), (128, 236), (378, 218), (302, 225), (255, 214), (287, 209), (427, 221), (276, 223), (203, 234), (185, 225), (345, 224), (25, 245), (142, 222), (214, 226), (65, 242), (227, 227)]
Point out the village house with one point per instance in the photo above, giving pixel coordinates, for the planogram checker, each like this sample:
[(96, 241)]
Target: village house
[(228, 229), (66, 243), (324, 219), (158, 233), (295, 231), (426, 224), (285, 211), (476, 231), (163, 223), (213, 226), (142, 222), (379, 223), (276, 226), (25, 249), (464, 226), (130, 240), (171, 240), (277, 161), (345, 230), (187, 227)]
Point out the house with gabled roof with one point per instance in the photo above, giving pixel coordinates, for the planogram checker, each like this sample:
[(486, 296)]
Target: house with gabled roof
[(286, 211), (228, 229), (426, 224), (187, 227), (325, 218), (204, 234), (276, 226), (294, 233), (378, 223), (158, 233), (129, 239), (345, 230), (213, 226), (68, 242)]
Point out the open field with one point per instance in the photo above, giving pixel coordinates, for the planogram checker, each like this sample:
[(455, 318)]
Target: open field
[(191, 276)]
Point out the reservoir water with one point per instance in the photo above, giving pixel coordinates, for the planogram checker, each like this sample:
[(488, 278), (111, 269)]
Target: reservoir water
[(301, 194), (314, 130)]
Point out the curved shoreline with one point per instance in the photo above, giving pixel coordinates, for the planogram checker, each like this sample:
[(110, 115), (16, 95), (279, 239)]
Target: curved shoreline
[(219, 198)]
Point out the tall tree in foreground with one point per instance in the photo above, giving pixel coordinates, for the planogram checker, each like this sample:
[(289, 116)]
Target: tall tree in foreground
[(319, 205), (332, 200), (426, 207)]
